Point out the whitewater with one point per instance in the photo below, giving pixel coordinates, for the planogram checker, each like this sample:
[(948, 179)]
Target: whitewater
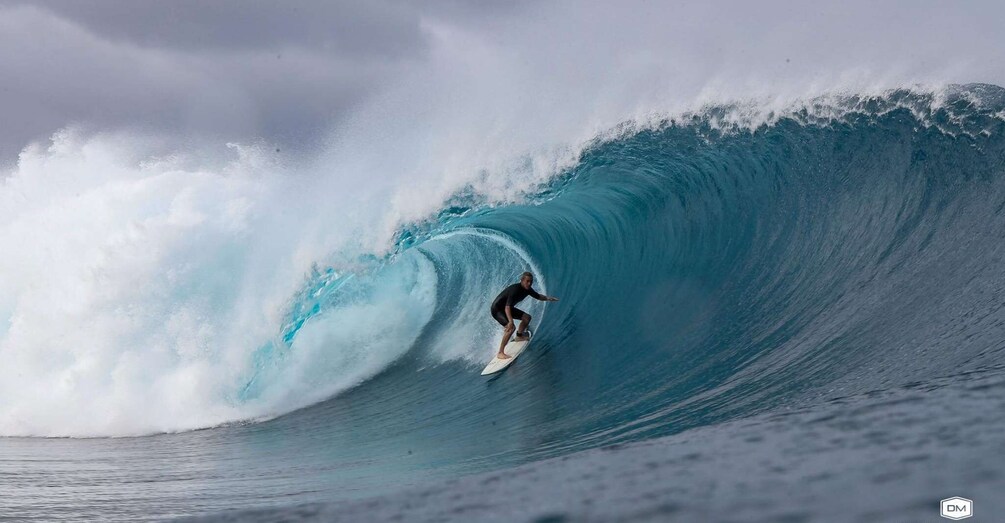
[(781, 267)]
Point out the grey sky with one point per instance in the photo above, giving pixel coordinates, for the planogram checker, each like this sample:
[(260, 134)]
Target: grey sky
[(228, 69), (363, 29)]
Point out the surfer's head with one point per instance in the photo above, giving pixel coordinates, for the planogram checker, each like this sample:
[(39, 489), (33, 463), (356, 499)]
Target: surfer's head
[(526, 280)]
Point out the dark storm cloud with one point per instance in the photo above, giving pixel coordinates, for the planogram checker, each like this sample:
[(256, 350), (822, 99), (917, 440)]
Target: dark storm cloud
[(232, 70)]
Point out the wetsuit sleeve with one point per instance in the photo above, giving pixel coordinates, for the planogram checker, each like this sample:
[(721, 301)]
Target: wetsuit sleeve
[(534, 294)]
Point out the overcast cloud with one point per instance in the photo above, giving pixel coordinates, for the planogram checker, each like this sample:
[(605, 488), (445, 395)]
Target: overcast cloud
[(230, 69)]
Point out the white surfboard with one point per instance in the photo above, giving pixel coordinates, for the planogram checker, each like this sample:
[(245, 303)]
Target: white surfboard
[(513, 349)]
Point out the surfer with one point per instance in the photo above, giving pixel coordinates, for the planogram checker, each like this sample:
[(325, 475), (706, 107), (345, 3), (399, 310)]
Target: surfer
[(504, 310)]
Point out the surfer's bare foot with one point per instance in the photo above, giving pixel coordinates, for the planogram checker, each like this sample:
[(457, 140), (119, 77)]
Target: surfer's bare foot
[(503, 356), (522, 337)]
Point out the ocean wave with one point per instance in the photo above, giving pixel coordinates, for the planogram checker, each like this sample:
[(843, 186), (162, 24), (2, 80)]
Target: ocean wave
[(711, 264)]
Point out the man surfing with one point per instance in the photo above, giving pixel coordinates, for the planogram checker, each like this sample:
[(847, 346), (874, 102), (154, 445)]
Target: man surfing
[(504, 310)]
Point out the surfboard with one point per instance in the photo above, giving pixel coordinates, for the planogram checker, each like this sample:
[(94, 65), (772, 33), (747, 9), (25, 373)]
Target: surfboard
[(513, 349)]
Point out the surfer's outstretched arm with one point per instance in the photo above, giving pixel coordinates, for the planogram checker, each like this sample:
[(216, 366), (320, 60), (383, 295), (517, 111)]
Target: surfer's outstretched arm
[(538, 296)]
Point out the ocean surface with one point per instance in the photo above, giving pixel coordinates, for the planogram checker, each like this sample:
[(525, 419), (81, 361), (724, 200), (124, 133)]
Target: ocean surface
[(800, 318)]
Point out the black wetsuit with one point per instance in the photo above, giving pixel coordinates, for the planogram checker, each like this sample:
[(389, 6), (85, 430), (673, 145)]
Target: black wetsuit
[(511, 296)]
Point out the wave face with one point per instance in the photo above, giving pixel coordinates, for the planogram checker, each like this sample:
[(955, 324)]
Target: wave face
[(707, 270)]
